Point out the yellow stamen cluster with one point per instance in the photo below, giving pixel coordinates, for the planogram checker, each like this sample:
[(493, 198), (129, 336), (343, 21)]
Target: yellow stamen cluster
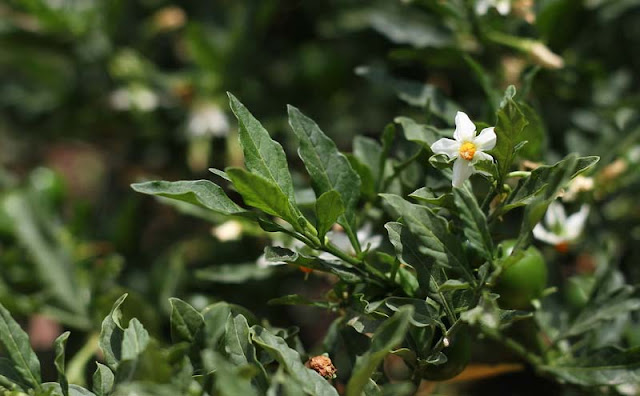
[(467, 150)]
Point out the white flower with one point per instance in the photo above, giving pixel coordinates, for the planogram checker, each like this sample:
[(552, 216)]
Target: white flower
[(230, 230), (207, 119), (561, 230), (135, 97), (502, 6), (578, 185), (466, 147)]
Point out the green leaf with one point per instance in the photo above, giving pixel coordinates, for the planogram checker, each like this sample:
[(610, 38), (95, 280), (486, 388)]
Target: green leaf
[(368, 185), (538, 205), (60, 343), (433, 234), (534, 131), (240, 350), (414, 93), (547, 180), (453, 284), (262, 155), (264, 195), (418, 133), (369, 153), (103, 379), (295, 299), (424, 194), (329, 208), (54, 389), (230, 380), (402, 25), (475, 224), (219, 173), (346, 273), (407, 249), (111, 335), (134, 340), (202, 193), (16, 345), (237, 273), (485, 81), (424, 312), (9, 377), (509, 131), (607, 366), (215, 320), (237, 340), (329, 168), (605, 310), (186, 322), (310, 381), (53, 263), (387, 337)]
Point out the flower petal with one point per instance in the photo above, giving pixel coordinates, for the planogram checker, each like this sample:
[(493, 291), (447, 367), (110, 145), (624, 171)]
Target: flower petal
[(575, 223), (503, 6), (465, 129), (462, 169), (555, 216), (480, 156), (541, 234), (486, 140), (482, 6), (449, 147)]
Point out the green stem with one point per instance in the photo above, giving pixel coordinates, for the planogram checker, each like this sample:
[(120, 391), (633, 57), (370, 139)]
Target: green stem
[(330, 248), (399, 168), (487, 200), (513, 345), (75, 370), (449, 333), (353, 238), (519, 174)]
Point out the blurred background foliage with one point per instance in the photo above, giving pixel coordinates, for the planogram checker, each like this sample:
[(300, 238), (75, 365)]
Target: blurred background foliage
[(95, 95)]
